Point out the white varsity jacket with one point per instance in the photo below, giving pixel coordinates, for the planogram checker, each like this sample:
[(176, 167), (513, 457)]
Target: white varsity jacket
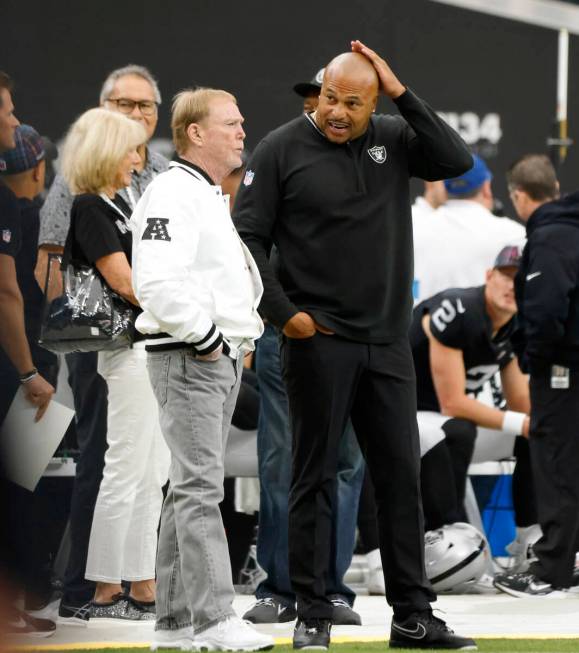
[(195, 280)]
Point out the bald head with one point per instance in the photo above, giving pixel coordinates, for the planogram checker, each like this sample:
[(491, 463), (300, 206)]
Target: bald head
[(348, 97), (355, 67)]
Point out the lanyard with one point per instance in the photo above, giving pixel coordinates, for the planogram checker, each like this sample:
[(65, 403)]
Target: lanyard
[(131, 197), (114, 206)]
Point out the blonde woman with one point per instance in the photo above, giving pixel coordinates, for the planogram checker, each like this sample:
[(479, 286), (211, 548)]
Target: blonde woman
[(99, 156)]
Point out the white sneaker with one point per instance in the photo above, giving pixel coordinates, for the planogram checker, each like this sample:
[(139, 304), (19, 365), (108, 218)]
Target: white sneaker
[(232, 634), (181, 639), (484, 585), (375, 578), (521, 548)]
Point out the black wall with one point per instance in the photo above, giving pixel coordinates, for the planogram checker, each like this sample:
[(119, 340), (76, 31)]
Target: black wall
[(461, 62)]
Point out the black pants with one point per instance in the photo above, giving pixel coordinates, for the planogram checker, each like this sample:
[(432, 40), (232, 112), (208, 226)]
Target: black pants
[(367, 521), (90, 403), (23, 549), (443, 474), (444, 471), (246, 413), (554, 444), (524, 492), (328, 380)]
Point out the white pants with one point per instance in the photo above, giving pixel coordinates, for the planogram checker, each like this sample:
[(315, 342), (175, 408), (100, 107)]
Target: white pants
[(490, 444), (123, 539)]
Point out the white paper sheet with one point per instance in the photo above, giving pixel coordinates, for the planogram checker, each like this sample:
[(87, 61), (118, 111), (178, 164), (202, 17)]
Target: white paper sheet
[(26, 446)]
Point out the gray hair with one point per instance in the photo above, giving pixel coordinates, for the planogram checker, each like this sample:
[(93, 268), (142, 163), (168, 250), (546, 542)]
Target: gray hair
[(131, 69)]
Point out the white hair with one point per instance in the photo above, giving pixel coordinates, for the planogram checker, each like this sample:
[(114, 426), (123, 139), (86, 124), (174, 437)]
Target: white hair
[(94, 149), (131, 69)]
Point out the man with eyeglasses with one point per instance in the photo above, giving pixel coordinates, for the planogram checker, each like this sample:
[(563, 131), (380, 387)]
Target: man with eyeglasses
[(133, 91)]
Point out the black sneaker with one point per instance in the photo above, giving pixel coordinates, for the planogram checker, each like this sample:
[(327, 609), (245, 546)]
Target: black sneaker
[(312, 634), (270, 611), (344, 615), (427, 631), (73, 615), (525, 585)]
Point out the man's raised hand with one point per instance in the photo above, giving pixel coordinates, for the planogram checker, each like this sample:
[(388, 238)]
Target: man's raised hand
[(389, 83)]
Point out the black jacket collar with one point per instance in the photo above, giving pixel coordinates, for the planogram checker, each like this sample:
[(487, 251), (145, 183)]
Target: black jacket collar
[(197, 169)]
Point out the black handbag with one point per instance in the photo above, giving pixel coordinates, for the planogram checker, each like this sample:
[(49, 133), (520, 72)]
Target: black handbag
[(81, 313)]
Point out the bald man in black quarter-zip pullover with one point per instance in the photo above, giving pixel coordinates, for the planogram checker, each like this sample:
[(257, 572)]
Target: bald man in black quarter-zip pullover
[(331, 191)]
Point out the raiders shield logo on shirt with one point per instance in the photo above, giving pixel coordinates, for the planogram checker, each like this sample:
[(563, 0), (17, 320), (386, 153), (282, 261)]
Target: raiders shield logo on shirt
[(378, 153)]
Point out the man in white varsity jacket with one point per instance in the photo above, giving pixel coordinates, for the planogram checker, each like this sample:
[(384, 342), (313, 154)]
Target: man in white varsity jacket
[(199, 289)]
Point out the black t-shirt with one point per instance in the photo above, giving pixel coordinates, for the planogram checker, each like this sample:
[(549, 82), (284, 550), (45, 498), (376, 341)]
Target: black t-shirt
[(98, 229), (10, 229), (458, 319), (25, 264), (19, 226)]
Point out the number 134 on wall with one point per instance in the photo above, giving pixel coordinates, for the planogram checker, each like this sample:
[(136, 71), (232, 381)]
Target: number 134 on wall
[(474, 128)]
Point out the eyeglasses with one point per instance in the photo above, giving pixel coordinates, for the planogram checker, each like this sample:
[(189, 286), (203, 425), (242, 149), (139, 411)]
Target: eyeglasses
[(124, 105)]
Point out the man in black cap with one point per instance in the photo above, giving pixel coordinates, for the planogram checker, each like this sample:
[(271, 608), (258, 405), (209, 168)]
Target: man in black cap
[(17, 361), (310, 91)]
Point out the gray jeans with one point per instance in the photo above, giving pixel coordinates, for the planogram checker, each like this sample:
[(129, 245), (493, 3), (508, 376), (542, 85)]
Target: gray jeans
[(196, 401)]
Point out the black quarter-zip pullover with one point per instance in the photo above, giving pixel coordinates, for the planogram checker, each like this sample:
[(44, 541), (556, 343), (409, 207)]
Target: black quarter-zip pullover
[(339, 215)]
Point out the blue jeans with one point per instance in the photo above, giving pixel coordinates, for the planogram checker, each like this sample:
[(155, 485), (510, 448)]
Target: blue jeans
[(274, 451)]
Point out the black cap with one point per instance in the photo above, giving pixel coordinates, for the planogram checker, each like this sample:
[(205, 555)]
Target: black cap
[(509, 257), (49, 148), (307, 88)]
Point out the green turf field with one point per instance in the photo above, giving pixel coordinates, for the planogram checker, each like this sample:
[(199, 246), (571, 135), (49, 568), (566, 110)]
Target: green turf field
[(487, 645)]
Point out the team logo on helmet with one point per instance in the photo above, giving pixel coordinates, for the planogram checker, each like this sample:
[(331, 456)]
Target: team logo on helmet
[(378, 153)]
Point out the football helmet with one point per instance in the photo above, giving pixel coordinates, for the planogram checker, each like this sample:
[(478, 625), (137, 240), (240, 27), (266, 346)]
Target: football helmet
[(456, 556)]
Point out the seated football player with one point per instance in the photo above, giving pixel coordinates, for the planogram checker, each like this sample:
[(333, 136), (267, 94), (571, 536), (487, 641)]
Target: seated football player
[(461, 338)]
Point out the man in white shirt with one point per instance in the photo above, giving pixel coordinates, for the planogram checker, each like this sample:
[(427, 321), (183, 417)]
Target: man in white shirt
[(433, 197), (199, 289), (458, 242)]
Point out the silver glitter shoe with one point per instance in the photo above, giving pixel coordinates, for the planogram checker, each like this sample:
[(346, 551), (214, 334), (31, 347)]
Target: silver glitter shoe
[(142, 606), (121, 608)]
